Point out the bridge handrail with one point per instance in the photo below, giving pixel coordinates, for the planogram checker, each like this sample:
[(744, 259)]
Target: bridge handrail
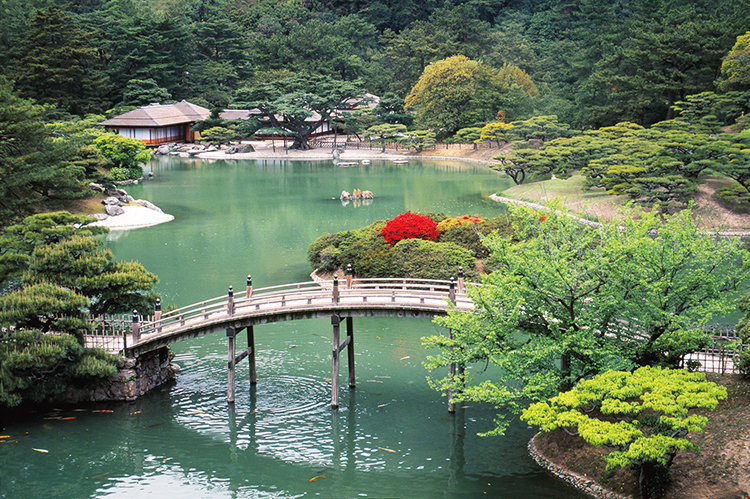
[(297, 291)]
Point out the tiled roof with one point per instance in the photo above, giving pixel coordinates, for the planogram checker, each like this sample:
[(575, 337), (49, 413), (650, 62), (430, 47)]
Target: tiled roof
[(155, 115)]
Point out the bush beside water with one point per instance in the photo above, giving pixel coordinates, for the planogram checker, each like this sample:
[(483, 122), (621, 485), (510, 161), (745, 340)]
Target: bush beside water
[(371, 255)]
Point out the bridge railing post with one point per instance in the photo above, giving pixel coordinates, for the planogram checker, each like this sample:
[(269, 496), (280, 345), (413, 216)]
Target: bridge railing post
[(335, 289), (230, 301), (135, 327), (349, 276), (249, 286), (452, 291), (157, 314), (460, 279)]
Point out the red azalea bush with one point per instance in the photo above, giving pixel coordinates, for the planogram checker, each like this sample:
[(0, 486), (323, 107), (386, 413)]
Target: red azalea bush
[(410, 226)]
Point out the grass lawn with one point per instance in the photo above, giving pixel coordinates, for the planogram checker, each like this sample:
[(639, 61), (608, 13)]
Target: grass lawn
[(594, 204)]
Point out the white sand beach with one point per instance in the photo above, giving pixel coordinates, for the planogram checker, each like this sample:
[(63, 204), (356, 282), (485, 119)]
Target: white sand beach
[(134, 217)]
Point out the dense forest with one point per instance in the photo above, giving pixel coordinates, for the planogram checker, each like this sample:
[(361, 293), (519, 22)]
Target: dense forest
[(592, 63)]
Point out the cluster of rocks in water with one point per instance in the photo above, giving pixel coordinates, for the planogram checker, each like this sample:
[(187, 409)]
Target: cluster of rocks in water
[(193, 149), (116, 198)]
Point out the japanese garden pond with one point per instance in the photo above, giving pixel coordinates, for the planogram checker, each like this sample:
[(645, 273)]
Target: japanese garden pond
[(391, 437)]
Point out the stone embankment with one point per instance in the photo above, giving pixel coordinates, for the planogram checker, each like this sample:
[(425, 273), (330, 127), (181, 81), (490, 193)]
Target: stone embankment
[(134, 379), (583, 484)]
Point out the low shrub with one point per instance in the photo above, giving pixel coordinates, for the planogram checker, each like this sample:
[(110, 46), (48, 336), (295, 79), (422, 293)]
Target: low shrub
[(735, 198), (35, 366), (420, 259)]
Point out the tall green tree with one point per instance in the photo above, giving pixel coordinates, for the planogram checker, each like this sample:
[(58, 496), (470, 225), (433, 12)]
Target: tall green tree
[(34, 169), (57, 65), (735, 68), (568, 301), (299, 104)]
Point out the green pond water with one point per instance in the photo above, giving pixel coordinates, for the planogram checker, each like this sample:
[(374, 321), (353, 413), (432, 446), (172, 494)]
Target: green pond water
[(392, 436)]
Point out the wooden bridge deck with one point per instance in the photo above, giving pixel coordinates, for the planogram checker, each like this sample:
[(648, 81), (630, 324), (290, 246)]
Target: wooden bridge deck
[(305, 300)]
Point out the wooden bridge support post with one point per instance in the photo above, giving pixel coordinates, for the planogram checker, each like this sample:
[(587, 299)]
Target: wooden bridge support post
[(230, 377), (452, 378), (251, 357), (350, 350), (335, 322)]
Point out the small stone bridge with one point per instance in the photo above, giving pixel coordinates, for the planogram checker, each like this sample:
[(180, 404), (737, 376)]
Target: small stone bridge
[(350, 298)]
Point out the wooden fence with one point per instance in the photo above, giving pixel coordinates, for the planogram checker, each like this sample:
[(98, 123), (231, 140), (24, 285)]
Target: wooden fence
[(369, 146)]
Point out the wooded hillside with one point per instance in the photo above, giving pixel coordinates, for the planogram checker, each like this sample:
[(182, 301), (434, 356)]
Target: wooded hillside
[(593, 63)]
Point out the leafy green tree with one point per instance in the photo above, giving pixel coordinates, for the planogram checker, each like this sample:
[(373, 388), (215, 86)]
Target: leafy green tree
[(45, 307), (567, 301), (56, 65), (385, 133), (642, 415), (17, 242), (539, 127), (299, 104), (34, 171), (444, 93), (390, 109), (124, 155), (418, 139), (144, 92), (496, 131), (670, 51), (735, 67), (469, 135), (523, 163), (81, 263)]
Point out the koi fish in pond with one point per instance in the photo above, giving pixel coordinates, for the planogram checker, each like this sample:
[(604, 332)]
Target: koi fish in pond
[(316, 477)]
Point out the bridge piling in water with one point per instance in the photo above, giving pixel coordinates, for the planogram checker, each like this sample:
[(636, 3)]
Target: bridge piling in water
[(337, 347), (230, 377)]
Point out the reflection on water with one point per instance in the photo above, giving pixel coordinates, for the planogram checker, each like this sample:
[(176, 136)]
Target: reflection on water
[(391, 436)]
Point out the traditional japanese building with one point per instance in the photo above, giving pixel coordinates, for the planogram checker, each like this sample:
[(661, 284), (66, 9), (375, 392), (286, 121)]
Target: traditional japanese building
[(158, 124)]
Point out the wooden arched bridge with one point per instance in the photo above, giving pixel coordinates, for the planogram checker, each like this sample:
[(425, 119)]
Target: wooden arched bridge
[(305, 300)]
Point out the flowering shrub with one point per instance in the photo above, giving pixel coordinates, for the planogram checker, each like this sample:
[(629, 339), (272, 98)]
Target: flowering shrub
[(410, 226), (449, 223)]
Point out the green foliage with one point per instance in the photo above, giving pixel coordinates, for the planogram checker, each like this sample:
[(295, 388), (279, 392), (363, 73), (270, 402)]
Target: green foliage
[(457, 92), (17, 242), (218, 135), (384, 133), (421, 259), (643, 416), (418, 139), (122, 152), (58, 67), (144, 92), (46, 307), (287, 104), (735, 198), (735, 67), (566, 301), (35, 366)]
